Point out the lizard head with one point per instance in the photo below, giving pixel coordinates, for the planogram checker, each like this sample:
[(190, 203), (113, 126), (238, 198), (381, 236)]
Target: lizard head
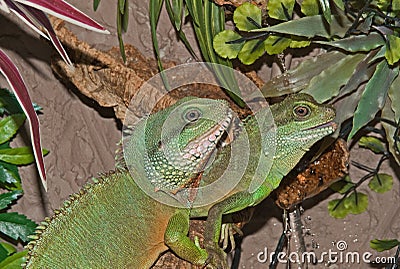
[(182, 140), (300, 122)]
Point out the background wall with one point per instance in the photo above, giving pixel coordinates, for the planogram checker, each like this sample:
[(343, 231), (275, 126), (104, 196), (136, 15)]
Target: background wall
[(82, 138)]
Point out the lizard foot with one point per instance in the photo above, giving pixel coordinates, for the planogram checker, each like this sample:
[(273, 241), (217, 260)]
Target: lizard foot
[(216, 258)]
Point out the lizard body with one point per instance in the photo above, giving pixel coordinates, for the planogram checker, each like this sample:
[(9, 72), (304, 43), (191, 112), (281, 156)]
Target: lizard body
[(114, 224)]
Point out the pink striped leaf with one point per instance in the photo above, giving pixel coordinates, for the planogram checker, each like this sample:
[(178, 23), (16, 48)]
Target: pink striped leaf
[(24, 17), (65, 11), (43, 20), (14, 78)]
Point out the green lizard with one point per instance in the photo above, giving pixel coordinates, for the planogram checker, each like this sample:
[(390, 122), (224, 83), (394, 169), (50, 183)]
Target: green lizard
[(114, 224)]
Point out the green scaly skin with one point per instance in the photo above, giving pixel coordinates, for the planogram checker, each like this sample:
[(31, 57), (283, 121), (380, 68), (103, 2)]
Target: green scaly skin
[(114, 224)]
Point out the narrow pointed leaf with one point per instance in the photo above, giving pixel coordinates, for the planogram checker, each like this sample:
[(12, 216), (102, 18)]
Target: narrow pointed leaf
[(326, 10), (372, 143), (119, 34), (382, 245), (16, 226), (10, 71), (311, 26), (10, 249), (357, 43), (7, 198), (328, 83), (96, 4), (125, 17), (18, 156), (14, 261), (374, 96), (65, 11), (121, 6), (296, 79)]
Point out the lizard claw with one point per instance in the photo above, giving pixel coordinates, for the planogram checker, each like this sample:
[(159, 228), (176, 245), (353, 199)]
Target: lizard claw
[(216, 258)]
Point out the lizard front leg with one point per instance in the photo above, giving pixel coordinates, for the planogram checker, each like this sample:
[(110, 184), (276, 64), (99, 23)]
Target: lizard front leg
[(176, 239), (216, 256)]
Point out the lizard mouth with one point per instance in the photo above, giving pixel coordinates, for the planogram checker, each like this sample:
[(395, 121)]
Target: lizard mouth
[(328, 125), (219, 136), (316, 132)]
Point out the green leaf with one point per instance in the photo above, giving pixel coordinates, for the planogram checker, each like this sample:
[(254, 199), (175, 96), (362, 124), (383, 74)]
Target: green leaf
[(356, 202), (296, 43), (177, 11), (6, 250), (326, 10), (8, 197), (9, 173), (310, 7), (298, 78), (396, 5), (372, 143), (9, 126), (3, 253), (310, 26), (328, 83), (10, 104), (391, 111), (339, 4), (342, 186), (14, 261), (251, 51), (385, 244), (243, 13), (280, 9), (10, 249), (374, 96), (357, 43), (225, 50), (381, 183), (276, 44), (338, 212), (18, 156), (96, 4), (16, 226), (392, 53), (121, 20)]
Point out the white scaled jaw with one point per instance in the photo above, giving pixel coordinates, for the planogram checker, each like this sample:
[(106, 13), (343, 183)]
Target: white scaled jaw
[(207, 143)]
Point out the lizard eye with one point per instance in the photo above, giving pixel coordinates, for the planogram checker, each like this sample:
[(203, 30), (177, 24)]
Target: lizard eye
[(302, 111), (192, 115)]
